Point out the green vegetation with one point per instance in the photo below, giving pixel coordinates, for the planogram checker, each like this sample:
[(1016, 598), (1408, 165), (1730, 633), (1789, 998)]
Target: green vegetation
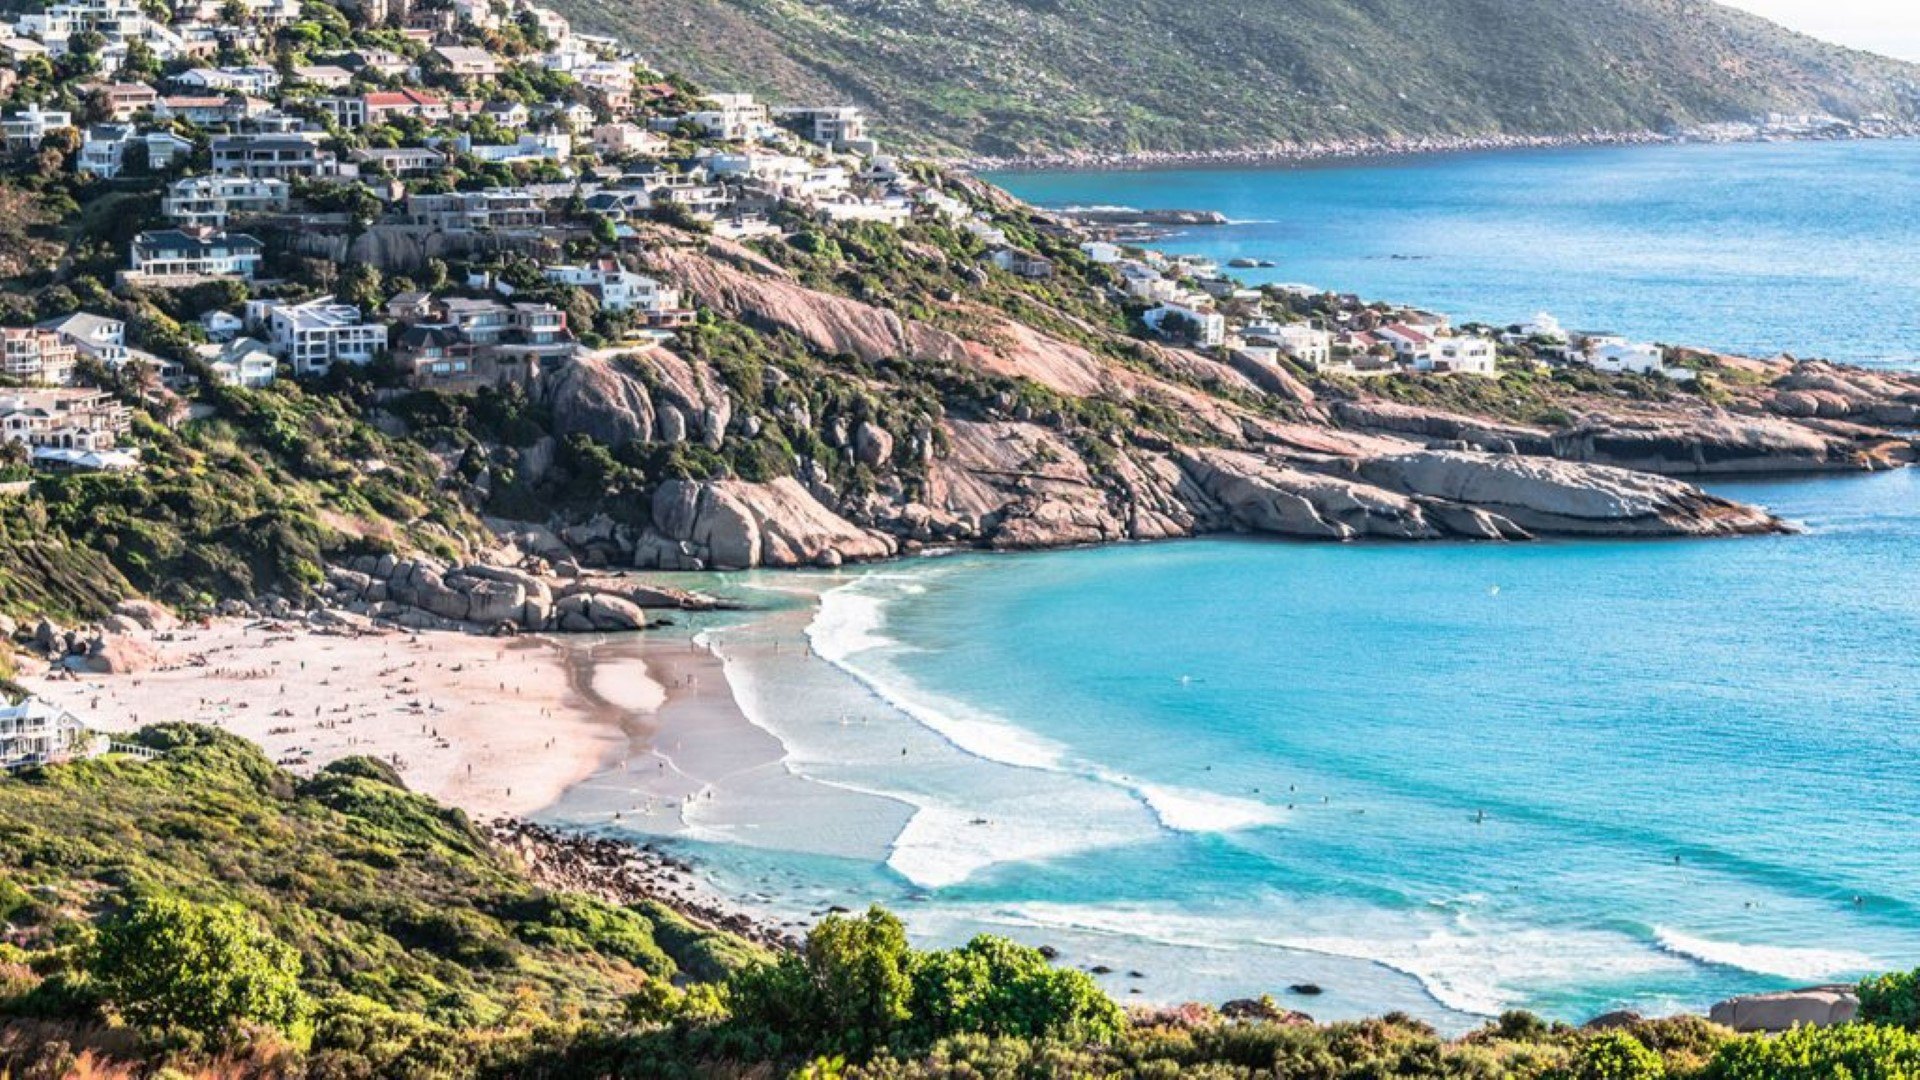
[(212, 914), (1010, 78)]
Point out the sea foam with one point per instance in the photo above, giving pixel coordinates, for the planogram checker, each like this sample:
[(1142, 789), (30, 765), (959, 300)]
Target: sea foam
[(1787, 962)]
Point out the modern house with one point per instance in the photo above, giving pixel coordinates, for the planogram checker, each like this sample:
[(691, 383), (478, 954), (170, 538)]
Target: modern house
[(187, 254), (213, 200), (318, 334)]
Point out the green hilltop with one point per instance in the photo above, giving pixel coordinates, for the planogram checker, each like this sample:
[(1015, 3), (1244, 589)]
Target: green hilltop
[(1022, 77)]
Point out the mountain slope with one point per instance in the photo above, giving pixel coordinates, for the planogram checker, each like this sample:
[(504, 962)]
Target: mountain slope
[(1010, 77)]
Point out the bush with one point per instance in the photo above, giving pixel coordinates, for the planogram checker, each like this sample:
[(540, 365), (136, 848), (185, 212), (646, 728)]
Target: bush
[(1892, 999), (1615, 1055), (1848, 1052), (174, 964), (996, 987)]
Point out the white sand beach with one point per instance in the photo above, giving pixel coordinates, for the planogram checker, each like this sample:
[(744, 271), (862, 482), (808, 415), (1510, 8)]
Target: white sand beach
[(494, 726)]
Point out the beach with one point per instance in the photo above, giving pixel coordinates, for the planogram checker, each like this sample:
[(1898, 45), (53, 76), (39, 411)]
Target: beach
[(500, 727)]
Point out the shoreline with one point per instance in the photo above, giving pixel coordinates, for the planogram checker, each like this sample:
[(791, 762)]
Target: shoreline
[(1363, 150)]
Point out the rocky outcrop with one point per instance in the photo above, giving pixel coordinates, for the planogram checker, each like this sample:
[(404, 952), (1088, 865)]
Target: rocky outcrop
[(1565, 498), (146, 614), (1479, 432), (1258, 495), (1820, 1006), (736, 525), (1823, 391), (1718, 444), (421, 594), (646, 395)]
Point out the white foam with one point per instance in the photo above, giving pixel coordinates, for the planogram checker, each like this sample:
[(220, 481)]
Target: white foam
[(1486, 972), (849, 624), (1785, 961), (1190, 811), (945, 845)]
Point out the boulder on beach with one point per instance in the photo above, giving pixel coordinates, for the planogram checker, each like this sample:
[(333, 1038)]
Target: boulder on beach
[(1818, 1006), (149, 615)]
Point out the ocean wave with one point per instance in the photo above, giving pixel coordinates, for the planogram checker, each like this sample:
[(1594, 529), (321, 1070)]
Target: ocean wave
[(1484, 972), (1787, 962), (1187, 810)]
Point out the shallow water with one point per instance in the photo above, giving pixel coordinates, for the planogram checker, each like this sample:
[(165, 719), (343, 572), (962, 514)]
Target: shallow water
[(1808, 248), (1449, 779)]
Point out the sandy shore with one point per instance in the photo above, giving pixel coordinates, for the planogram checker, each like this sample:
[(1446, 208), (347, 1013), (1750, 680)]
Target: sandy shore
[(496, 727)]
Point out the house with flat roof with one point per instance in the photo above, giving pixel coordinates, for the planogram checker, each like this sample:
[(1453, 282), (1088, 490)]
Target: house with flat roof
[(314, 336), (187, 254)]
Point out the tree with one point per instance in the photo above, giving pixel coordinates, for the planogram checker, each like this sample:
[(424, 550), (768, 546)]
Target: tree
[(171, 963), (847, 992), (997, 987)]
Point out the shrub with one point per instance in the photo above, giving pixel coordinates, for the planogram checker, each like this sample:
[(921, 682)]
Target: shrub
[(175, 964), (1615, 1055), (1892, 999), (1848, 1052)]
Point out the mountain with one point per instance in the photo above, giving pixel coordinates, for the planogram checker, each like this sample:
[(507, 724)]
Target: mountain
[(1020, 77)]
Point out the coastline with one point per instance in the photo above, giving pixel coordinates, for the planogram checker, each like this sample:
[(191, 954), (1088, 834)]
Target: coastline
[(1361, 150)]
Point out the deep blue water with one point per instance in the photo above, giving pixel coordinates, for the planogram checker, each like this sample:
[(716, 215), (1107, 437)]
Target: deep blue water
[(1812, 249)]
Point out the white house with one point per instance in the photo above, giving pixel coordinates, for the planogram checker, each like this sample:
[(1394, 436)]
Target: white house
[(212, 200), (1462, 355), (36, 732), (241, 362), (317, 334), (25, 129), (617, 288), (255, 81), (97, 336), (1207, 329), (1101, 252), (1313, 348), (221, 326)]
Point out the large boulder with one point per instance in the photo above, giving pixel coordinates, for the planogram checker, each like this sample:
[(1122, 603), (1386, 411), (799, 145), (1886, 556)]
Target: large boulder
[(115, 654), (872, 444), (733, 524), (149, 615), (588, 612), (1820, 1006), (1269, 497), (493, 602), (434, 596)]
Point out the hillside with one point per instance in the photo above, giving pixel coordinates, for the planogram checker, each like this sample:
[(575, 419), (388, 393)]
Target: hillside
[(989, 77), (205, 914)]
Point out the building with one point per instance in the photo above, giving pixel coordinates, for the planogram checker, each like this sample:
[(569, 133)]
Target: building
[(243, 361), (727, 116), (35, 356), (1462, 355), (401, 161), (73, 419), (214, 200), (253, 81), (193, 253), (555, 146), (222, 326), (838, 127), (314, 336), (627, 140), (209, 110), (96, 336), (620, 289), (1206, 329), (124, 101), (1411, 346), (35, 732), (324, 76), (464, 62), (271, 157), (1297, 341), (25, 129), (1026, 264)]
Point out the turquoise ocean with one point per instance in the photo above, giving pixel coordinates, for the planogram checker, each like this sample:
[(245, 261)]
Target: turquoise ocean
[(1757, 248), (1449, 779)]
